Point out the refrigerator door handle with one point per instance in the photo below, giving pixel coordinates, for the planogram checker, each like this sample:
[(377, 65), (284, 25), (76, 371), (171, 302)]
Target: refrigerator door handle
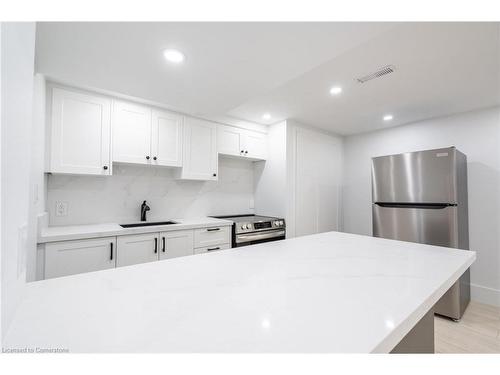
[(433, 206)]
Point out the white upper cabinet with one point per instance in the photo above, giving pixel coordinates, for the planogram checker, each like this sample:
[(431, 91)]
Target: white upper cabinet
[(199, 150), (131, 133), (142, 135), (242, 143), (80, 133), (255, 145), (166, 141), (229, 140)]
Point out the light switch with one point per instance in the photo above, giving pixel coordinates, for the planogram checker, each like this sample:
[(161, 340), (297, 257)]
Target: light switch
[(61, 208)]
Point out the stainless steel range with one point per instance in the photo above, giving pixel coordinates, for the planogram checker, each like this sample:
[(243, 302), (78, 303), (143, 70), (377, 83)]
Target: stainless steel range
[(253, 229)]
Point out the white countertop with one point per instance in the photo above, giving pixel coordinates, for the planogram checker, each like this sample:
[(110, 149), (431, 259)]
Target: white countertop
[(331, 292), (75, 232)]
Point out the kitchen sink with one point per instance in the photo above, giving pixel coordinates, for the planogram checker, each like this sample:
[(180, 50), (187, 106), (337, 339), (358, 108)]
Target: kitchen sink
[(147, 224)]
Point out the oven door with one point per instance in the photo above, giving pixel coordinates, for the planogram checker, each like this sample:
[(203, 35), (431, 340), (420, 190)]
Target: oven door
[(258, 237)]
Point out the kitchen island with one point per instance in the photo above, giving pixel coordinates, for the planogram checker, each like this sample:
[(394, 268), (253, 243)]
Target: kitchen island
[(329, 292)]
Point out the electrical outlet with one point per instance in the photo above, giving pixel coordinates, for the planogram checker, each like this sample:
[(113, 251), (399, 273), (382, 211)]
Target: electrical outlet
[(61, 208)]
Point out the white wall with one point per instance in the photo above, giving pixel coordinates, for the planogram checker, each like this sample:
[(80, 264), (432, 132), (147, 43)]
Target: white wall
[(118, 198), (301, 180), (18, 47), (38, 178), (270, 176), (314, 179), (477, 134)]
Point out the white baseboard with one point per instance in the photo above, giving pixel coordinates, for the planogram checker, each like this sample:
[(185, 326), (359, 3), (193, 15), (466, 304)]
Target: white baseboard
[(484, 294)]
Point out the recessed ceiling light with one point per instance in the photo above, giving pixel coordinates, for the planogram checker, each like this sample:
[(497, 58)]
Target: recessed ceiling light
[(335, 90), (173, 56), (266, 116), (388, 117)]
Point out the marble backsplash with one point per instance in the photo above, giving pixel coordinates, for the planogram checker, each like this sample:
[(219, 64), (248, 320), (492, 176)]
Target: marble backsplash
[(118, 198)]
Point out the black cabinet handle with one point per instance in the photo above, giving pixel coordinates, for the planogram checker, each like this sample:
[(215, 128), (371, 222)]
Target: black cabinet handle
[(246, 152), (215, 174), (111, 253), (156, 245), (105, 167), (213, 248), (212, 229), (242, 151), (163, 246), (147, 157), (154, 158)]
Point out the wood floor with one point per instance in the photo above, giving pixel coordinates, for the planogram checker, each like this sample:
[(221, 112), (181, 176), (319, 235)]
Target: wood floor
[(477, 332)]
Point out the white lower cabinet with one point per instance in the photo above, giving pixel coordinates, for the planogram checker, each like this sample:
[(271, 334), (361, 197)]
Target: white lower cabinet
[(176, 244), (137, 248), (209, 249), (72, 257)]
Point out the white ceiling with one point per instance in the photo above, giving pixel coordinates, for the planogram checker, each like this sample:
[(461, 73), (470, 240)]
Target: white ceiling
[(242, 70)]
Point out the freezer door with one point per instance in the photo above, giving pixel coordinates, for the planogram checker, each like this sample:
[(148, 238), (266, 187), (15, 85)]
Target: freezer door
[(415, 177), (432, 225)]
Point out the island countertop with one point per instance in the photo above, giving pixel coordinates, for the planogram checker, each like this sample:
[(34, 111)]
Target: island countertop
[(329, 292)]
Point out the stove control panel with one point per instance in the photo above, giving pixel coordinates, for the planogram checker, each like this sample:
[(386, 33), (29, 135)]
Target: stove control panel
[(245, 227)]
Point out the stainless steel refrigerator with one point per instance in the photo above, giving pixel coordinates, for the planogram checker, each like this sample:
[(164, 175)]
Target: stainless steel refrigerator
[(422, 197)]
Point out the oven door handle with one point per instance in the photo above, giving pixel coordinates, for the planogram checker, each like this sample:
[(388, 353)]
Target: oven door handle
[(259, 236)]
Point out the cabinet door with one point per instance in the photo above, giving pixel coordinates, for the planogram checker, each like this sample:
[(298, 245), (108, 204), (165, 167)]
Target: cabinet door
[(71, 257), (80, 133), (176, 244), (229, 141), (131, 133), (137, 248), (166, 142), (255, 145), (200, 150)]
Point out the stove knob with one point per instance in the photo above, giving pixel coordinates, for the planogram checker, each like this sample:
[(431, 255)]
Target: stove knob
[(249, 226), (277, 223), (282, 222), (243, 227)]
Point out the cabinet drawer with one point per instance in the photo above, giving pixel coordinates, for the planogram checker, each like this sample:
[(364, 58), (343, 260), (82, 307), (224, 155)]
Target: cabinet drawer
[(206, 237), (72, 257), (208, 249)]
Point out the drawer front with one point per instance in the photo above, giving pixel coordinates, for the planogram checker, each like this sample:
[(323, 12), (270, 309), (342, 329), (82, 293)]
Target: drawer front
[(211, 249), (206, 237)]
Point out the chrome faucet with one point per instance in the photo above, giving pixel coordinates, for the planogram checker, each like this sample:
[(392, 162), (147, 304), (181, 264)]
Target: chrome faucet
[(144, 209)]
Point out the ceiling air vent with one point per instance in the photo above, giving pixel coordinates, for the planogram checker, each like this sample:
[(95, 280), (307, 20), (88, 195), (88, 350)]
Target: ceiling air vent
[(379, 73)]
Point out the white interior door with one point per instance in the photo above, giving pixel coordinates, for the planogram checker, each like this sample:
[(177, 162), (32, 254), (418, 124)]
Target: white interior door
[(166, 141), (137, 248), (317, 176), (131, 133), (81, 133)]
